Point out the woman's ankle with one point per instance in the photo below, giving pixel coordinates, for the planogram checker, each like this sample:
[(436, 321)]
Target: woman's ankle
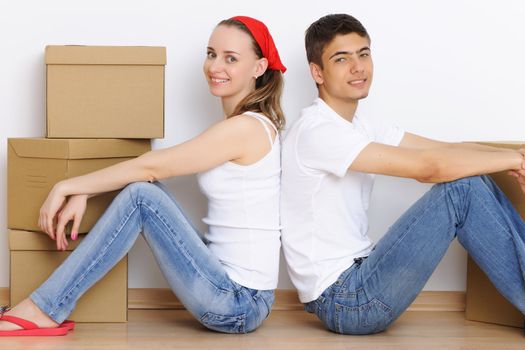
[(28, 310)]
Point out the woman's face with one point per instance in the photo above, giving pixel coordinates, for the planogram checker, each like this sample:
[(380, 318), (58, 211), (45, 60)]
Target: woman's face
[(231, 64)]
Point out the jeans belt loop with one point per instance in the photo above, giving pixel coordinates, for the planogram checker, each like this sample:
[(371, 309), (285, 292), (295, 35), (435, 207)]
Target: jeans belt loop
[(359, 260)]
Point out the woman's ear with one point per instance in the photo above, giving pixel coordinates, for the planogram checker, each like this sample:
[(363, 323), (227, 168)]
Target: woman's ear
[(317, 73), (262, 65)]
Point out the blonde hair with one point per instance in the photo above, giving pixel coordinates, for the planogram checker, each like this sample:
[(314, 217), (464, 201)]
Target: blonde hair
[(266, 99)]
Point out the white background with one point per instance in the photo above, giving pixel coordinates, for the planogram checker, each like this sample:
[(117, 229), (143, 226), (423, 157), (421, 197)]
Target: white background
[(451, 70)]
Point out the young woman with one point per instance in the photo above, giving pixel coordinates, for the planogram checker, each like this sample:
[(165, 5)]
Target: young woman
[(227, 283)]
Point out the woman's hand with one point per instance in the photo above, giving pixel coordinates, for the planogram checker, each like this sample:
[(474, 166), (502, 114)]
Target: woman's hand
[(52, 205), (73, 211)]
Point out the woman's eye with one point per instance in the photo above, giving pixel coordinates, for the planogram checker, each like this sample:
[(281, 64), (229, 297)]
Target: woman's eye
[(210, 54), (231, 59)]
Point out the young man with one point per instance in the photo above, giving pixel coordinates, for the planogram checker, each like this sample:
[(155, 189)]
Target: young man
[(329, 157)]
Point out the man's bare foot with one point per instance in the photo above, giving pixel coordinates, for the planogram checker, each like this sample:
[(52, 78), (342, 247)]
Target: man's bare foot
[(27, 310)]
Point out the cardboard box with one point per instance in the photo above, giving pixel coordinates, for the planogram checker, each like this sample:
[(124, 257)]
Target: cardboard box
[(484, 303), (105, 91), (36, 164), (33, 257)]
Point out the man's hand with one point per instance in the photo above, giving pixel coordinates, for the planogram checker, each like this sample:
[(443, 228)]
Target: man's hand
[(522, 151), (519, 175)]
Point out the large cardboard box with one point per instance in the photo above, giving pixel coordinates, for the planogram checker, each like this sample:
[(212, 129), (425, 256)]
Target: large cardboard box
[(105, 91), (484, 303), (33, 257), (34, 165)]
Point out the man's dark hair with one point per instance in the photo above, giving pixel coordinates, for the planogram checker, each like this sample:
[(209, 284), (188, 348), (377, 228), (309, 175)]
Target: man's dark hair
[(325, 29)]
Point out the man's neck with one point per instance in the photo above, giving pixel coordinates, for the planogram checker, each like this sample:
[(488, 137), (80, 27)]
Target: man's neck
[(345, 108)]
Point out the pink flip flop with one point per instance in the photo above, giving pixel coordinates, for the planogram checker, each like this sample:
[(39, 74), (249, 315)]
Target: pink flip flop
[(29, 328), (69, 324)]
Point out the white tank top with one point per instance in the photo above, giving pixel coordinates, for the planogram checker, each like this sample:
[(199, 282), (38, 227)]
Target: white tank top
[(243, 215)]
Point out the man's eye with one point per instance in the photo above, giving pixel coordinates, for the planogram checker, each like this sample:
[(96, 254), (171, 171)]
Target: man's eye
[(340, 59)]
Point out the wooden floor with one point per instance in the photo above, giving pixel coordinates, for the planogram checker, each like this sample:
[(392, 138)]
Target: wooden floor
[(176, 329)]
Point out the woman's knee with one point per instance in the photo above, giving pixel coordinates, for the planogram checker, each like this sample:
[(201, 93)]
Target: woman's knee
[(141, 190)]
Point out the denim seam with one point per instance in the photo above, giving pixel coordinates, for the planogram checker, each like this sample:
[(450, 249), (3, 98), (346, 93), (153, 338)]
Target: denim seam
[(185, 251), (504, 227), (400, 238), (253, 302), (96, 262), (268, 305)]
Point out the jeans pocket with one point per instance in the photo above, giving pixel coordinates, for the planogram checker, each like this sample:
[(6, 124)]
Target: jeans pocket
[(224, 324), (372, 317)]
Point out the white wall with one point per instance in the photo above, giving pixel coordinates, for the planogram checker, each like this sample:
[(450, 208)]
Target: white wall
[(449, 69)]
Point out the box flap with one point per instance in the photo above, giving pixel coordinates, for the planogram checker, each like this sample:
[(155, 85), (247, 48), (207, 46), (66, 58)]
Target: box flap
[(78, 148), (27, 240), (118, 55)]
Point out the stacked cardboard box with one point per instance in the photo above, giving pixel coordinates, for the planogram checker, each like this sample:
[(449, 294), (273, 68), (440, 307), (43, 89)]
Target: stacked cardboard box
[(105, 91), (104, 104), (36, 164), (484, 302), (34, 257)]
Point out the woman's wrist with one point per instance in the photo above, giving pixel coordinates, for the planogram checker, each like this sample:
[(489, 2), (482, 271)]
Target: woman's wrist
[(60, 188)]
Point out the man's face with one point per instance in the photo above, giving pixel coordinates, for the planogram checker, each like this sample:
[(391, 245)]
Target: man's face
[(347, 68)]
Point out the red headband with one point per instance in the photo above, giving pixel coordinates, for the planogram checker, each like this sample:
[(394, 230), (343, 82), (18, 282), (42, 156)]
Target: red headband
[(264, 39)]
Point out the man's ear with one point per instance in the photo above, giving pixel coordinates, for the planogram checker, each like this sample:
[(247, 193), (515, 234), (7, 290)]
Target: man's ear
[(317, 73)]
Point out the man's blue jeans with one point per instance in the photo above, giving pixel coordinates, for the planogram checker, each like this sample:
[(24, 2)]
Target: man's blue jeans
[(376, 290), (194, 274)]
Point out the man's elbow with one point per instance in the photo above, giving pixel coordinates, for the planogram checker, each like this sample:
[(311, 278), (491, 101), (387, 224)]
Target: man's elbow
[(432, 169), (427, 173)]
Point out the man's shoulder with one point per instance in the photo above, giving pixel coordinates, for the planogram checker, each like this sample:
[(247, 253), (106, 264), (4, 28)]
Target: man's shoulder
[(314, 116), (313, 111)]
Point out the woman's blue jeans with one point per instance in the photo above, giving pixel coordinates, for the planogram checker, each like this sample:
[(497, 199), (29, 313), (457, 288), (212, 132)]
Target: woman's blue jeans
[(194, 274), (376, 290)]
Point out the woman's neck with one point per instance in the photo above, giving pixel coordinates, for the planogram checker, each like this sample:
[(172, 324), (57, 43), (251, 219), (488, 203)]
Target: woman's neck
[(228, 106), (230, 103)]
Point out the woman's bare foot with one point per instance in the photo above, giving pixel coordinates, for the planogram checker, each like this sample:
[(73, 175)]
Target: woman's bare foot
[(27, 310)]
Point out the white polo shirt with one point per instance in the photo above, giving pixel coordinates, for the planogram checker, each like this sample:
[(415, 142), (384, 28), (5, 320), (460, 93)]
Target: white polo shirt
[(323, 205)]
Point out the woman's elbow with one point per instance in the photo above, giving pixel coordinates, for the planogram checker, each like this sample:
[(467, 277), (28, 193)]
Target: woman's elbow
[(149, 171)]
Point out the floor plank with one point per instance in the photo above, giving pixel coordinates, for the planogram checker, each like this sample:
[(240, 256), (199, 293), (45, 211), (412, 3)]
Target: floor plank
[(176, 329)]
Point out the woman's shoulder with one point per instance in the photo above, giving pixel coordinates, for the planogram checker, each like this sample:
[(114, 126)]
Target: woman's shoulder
[(248, 121)]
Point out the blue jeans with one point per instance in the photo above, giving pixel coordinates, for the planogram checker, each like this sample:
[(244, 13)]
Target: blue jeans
[(194, 274), (377, 289)]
